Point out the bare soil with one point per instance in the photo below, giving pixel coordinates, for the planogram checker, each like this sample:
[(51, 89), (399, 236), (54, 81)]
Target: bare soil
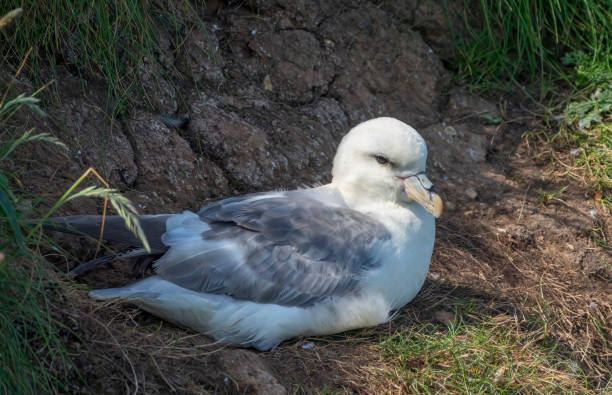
[(267, 111)]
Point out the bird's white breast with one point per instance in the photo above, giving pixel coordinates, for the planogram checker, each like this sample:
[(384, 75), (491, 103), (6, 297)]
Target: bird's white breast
[(405, 259)]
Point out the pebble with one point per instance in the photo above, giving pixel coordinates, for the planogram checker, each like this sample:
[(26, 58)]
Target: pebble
[(450, 131), (267, 83), (575, 151), (444, 317), (307, 346), (471, 193)]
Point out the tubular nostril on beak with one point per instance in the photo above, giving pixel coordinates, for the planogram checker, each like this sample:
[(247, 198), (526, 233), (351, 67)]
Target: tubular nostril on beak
[(428, 185)]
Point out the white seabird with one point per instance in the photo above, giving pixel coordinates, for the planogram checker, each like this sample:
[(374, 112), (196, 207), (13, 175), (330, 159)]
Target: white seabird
[(259, 269)]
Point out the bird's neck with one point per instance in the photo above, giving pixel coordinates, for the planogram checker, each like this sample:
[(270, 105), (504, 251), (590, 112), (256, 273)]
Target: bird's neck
[(362, 199)]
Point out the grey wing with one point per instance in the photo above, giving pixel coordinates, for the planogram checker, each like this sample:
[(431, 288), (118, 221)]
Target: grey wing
[(284, 248)]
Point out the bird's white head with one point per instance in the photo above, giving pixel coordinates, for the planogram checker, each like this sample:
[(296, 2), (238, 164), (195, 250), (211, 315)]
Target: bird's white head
[(384, 159)]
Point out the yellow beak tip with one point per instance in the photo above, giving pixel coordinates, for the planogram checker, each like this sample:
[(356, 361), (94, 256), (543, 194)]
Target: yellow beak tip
[(437, 206)]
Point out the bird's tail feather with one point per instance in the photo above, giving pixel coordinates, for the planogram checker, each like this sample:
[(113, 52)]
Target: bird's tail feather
[(115, 230), (229, 320), (168, 301), (106, 259)]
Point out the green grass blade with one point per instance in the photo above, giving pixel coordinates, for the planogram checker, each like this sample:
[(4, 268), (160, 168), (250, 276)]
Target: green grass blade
[(11, 215)]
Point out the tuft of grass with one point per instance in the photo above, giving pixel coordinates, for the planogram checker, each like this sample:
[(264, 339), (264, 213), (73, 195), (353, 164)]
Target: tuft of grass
[(512, 41), (33, 358), (31, 348), (547, 197), (484, 356), (32, 351), (108, 39), (595, 159)]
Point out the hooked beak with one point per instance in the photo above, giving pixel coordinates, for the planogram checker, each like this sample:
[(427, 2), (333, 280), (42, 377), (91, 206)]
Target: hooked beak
[(418, 187)]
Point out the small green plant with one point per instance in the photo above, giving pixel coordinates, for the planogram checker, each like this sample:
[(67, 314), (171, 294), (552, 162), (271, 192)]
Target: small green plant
[(547, 197), (587, 124), (489, 118), (598, 236), (591, 111)]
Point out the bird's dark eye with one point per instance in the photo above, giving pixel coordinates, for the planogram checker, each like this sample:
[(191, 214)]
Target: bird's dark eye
[(381, 159)]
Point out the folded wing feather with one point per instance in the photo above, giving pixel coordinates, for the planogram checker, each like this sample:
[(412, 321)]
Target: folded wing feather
[(288, 248)]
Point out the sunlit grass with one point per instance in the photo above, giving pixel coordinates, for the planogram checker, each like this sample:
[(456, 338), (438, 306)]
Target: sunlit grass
[(485, 356)]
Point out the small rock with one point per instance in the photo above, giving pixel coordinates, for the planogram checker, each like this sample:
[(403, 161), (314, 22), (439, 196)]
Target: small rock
[(450, 131), (267, 83), (570, 247), (248, 371), (260, 104), (462, 104), (435, 276), (498, 377), (450, 206), (593, 213), (575, 151), (471, 193), (444, 317), (574, 366), (593, 306), (477, 154), (307, 346)]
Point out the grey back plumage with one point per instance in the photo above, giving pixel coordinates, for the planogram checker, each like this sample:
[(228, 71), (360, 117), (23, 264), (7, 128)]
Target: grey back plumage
[(288, 248)]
